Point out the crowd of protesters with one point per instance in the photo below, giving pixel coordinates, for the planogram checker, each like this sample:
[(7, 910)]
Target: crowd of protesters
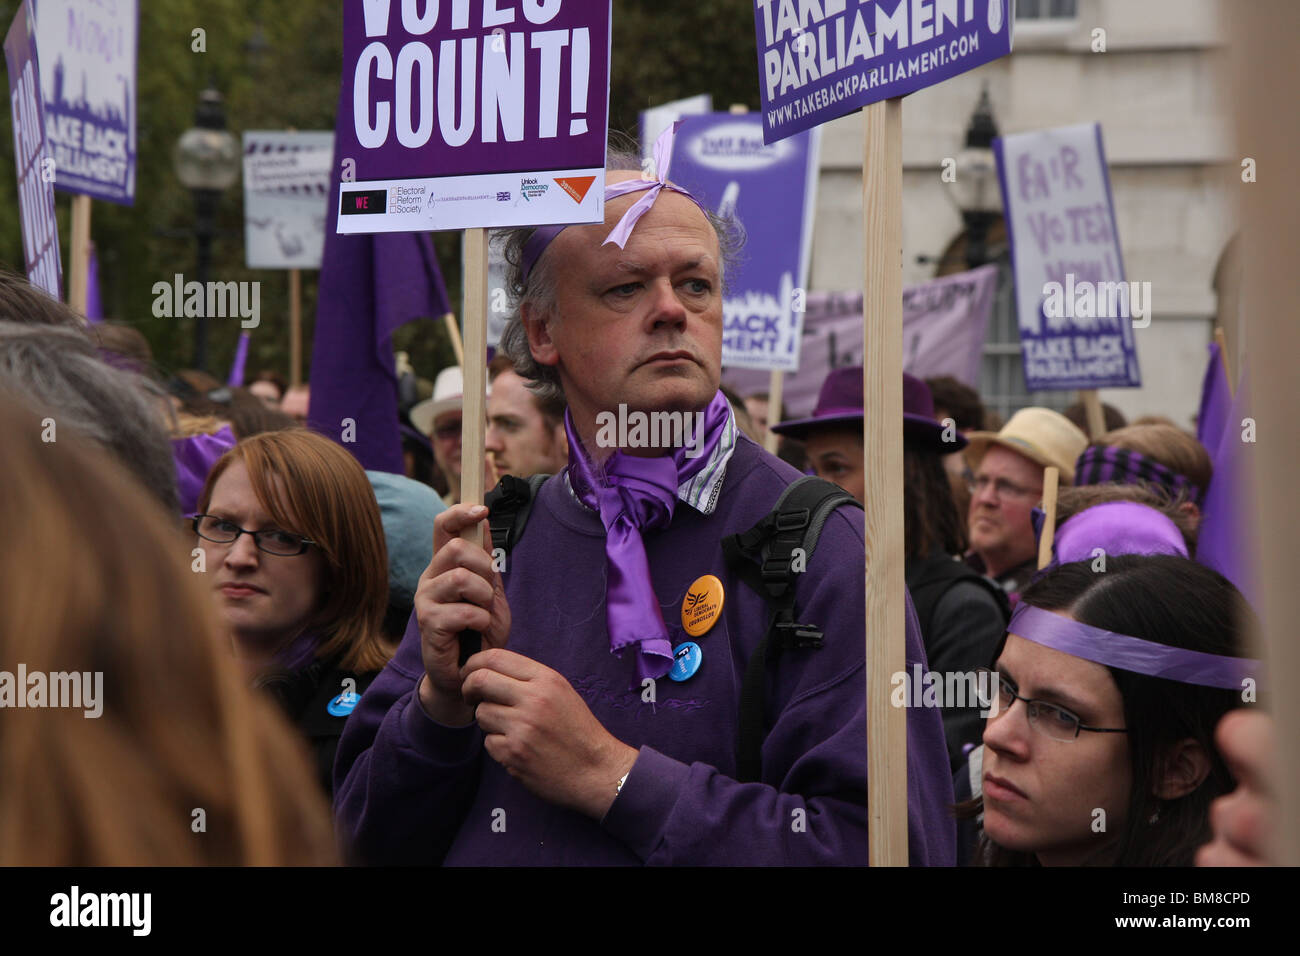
[(278, 628)]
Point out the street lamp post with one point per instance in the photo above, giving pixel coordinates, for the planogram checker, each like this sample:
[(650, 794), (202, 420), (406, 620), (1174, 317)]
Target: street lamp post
[(975, 191), (207, 163)]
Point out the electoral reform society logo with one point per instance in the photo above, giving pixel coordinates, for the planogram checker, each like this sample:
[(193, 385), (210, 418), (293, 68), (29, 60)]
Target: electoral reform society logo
[(363, 202), (531, 189)]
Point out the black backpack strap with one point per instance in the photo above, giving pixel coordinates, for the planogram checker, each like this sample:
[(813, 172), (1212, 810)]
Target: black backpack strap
[(763, 557), (508, 506)]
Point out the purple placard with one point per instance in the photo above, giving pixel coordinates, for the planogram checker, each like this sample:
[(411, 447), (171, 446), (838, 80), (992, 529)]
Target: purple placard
[(944, 324), (34, 167), (1075, 309), (88, 70), (821, 59), (722, 160), (475, 113)]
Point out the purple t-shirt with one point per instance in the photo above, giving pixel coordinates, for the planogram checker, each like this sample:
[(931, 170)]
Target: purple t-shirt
[(408, 790)]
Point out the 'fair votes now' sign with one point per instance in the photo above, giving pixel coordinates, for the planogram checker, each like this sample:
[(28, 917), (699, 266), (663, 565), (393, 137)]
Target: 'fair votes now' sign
[(771, 189), (1076, 312), (821, 59), (472, 113), (35, 168), (88, 69)]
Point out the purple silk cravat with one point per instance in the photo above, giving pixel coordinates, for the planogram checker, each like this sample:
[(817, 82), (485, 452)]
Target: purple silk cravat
[(634, 495)]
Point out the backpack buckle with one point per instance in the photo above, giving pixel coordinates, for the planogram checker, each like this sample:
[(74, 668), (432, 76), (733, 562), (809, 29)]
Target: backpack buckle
[(792, 634), (792, 520)]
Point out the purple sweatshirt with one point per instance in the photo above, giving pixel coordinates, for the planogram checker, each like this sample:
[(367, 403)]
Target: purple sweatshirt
[(409, 790)]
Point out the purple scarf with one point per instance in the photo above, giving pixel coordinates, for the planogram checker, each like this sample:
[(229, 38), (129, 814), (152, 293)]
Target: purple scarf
[(634, 495)]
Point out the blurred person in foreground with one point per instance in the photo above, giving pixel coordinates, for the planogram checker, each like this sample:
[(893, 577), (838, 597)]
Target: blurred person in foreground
[(297, 568), (58, 371), (97, 585)]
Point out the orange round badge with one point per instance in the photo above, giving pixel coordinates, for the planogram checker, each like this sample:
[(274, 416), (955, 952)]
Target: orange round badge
[(702, 605)]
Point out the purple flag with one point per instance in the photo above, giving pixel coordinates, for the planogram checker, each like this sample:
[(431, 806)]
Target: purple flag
[(1226, 540), (236, 376), (369, 286), (1216, 398), (94, 306)]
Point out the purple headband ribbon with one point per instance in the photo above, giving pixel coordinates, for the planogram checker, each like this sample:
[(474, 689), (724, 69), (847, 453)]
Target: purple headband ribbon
[(543, 236), (1099, 464), (1130, 653)]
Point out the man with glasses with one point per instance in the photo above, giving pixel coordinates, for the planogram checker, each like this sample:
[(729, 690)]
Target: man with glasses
[(1008, 485)]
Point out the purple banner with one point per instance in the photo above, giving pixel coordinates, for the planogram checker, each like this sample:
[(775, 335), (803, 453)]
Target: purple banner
[(820, 60), (472, 113), (1075, 310), (944, 325), (722, 160), (88, 69), (34, 166)]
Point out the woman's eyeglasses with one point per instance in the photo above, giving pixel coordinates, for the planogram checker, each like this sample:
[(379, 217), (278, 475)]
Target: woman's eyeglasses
[(1050, 719), (271, 540)]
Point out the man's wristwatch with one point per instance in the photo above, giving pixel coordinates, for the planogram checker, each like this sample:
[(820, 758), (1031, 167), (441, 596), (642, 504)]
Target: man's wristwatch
[(621, 780)]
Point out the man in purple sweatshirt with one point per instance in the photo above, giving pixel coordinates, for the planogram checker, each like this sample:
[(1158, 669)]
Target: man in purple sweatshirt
[(599, 724)]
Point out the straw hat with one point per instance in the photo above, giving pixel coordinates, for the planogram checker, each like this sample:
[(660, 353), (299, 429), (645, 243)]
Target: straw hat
[(1043, 436), (448, 396)]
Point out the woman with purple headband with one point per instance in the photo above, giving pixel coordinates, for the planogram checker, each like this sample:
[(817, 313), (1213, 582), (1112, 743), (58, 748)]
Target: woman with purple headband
[(1099, 746)]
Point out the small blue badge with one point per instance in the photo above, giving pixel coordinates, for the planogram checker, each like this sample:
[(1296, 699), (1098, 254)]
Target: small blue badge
[(343, 704), (686, 661)]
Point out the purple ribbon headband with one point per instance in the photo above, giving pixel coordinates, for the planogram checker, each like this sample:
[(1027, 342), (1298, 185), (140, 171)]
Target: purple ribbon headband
[(1130, 653), (1099, 464), (543, 236)]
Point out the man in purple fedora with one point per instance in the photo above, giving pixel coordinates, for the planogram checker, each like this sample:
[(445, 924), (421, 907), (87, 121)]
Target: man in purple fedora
[(961, 614), (599, 724)]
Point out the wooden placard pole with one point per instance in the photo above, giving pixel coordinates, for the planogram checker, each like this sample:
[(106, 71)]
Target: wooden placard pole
[(295, 328), (882, 390), (453, 333), (474, 364), (1263, 56), (473, 415), (1051, 478), (79, 248), (775, 385), (1092, 409)]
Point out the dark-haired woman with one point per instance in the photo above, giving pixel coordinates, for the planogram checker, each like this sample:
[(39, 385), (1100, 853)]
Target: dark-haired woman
[(962, 614), (1100, 747)]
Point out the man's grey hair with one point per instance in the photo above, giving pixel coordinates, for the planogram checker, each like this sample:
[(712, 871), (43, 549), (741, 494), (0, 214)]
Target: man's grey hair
[(540, 288), (57, 372)]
